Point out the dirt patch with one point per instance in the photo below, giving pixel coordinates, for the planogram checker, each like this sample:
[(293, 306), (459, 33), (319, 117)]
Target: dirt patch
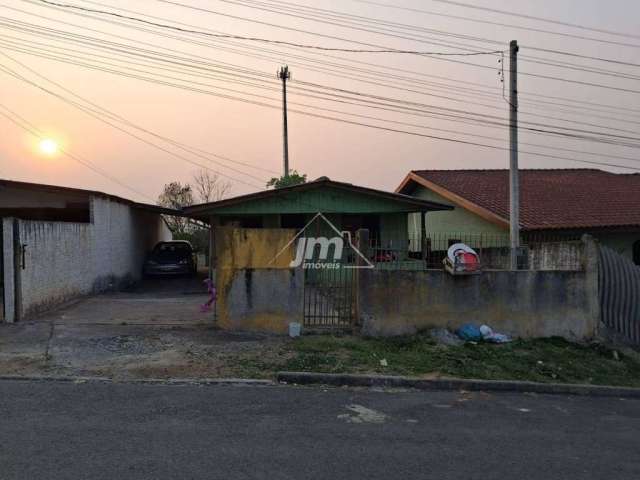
[(23, 365), (129, 344)]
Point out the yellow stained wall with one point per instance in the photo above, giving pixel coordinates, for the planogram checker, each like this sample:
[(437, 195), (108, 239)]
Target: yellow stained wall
[(239, 249)]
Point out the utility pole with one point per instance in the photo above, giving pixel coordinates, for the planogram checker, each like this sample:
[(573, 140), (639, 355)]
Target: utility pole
[(514, 181), (285, 75)]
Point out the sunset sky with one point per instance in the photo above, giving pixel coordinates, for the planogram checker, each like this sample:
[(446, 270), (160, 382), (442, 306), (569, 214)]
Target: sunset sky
[(249, 136)]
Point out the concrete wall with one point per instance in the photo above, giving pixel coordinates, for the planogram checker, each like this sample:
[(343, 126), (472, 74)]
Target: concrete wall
[(8, 272), (64, 260), (256, 289), (259, 292), (521, 303), (58, 263), (262, 300)]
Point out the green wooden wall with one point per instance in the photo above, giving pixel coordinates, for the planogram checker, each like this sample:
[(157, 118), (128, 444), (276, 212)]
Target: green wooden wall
[(324, 200)]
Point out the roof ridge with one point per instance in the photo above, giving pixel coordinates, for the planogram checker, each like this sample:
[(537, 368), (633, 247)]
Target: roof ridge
[(521, 169)]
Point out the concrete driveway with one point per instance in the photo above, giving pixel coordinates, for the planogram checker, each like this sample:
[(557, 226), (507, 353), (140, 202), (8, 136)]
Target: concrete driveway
[(156, 330), (155, 301)]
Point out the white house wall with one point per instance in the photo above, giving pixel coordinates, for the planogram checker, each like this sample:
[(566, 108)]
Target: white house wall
[(8, 301), (64, 260)]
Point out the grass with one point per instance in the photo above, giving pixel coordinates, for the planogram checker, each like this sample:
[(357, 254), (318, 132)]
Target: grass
[(542, 360)]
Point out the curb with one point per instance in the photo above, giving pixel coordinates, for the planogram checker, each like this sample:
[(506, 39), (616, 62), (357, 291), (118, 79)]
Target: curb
[(146, 381), (349, 380)]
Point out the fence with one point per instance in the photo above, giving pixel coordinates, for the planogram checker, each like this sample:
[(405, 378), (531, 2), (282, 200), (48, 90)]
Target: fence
[(261, 288), (619, 288), (536, 253)]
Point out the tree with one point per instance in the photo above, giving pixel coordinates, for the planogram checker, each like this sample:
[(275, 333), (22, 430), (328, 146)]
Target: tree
[(176, 196), (209, 186), (293, 178)]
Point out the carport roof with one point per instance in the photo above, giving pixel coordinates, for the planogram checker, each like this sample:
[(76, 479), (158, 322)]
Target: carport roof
[(322, 195), (57, 189)]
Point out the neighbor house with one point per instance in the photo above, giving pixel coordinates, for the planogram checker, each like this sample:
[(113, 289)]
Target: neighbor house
[(555, 204), (59, 243)]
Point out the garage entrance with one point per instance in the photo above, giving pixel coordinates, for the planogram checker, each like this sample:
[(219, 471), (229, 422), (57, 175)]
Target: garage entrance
[(160, 301)]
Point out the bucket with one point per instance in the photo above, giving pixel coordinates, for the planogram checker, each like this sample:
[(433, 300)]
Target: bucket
[(294, 329)]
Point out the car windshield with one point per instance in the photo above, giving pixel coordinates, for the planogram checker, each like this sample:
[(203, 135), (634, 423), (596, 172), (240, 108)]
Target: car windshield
[(172, 250)]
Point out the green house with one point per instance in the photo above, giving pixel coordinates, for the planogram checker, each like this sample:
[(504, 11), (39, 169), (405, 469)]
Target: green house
[(348, 207)]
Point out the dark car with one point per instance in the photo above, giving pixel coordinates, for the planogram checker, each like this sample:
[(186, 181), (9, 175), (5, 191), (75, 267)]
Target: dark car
[(171, 258)]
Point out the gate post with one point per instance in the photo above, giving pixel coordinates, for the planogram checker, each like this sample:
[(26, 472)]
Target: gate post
[(362, 245), (591, 265)]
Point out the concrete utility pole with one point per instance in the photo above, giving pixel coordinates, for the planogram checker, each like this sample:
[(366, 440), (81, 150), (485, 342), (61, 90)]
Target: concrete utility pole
[(514, 181), (285, 75)]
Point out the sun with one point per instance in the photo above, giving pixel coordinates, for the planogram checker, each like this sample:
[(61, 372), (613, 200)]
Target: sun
[(48, 146)]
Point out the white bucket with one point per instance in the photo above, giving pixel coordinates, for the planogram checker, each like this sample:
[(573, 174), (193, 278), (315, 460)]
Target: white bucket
[(294, 329)]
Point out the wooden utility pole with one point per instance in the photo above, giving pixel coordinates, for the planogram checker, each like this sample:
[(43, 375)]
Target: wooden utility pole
[(285, 75), (514, 181)]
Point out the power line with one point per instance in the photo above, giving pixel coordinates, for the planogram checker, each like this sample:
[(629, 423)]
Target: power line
[(361, 77), (541, 19), (378, 127), (561, 119), (434, 84), (401, 79), (499, 24), (378, 48), (30, 128), (555, 132), (352, 92), (484, 123), (181, 145), (359, 20), (356, 24), (263, 40), (385, 106), (546, 77), (97, 116), (578, 55)]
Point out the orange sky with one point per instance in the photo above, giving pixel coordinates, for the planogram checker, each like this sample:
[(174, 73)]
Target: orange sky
[(252, 134)]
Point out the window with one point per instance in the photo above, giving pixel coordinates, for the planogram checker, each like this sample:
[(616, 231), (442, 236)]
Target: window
[(293, 220)]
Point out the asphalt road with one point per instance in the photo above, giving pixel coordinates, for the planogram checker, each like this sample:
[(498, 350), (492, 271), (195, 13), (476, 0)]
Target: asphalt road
[(98, 431)]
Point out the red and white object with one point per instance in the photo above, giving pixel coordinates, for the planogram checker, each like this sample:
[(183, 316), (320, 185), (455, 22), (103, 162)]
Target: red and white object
[(462, 258)]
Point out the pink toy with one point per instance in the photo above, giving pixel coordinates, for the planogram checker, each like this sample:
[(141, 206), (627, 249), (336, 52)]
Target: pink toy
[(206, 307)]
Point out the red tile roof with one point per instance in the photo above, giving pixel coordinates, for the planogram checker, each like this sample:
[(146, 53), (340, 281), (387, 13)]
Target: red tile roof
[(549, 199)]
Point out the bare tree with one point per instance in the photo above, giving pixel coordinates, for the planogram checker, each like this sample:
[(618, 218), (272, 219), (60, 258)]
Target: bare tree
[(209, 186), (176, 196)]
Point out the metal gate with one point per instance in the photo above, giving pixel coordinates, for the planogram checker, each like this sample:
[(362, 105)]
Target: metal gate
[(330, 292), (619, 289)]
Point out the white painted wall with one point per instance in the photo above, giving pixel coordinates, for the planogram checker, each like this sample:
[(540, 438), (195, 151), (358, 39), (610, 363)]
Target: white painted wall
[(64, 260), (8, 301)]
